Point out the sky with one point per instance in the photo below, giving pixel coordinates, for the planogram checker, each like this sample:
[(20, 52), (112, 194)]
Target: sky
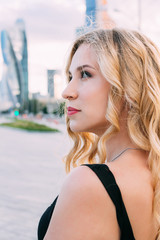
[(50, 27)]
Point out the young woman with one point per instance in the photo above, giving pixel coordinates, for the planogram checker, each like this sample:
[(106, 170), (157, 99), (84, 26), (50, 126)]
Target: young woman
[(113, 117)]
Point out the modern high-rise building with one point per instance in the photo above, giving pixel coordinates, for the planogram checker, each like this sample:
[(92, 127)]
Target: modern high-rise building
[(19, 40), (50, 74), (14, 83), (10, 83), (90, 17), (102, 16), (95, 16), (54, 83)]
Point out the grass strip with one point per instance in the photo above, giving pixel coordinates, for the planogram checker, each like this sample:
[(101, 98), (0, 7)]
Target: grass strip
[(29, 126)]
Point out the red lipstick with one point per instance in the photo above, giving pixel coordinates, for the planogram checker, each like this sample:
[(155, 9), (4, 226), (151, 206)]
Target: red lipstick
[(71, 111)]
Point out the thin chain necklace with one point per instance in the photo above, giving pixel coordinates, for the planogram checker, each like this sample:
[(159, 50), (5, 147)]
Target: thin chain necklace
[(123, 152)]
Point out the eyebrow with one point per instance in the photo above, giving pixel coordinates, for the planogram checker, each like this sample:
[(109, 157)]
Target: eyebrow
[(83, 66)]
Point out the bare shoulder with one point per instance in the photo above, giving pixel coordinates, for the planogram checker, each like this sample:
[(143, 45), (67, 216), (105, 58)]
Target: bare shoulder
[(135, 183), (83, 210)]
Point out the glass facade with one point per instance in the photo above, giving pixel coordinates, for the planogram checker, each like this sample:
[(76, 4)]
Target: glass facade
[(14, 82), (96, 15), (90, 20), (10, 82)]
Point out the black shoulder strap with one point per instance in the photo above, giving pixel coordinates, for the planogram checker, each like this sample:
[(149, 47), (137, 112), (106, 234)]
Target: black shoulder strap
[(107, 178)]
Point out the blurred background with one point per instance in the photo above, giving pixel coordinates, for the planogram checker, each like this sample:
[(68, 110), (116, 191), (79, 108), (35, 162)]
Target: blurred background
[(36, 36), (35, 39)]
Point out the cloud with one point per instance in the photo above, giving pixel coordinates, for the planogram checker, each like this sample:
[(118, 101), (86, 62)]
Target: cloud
[(56, 23), (45, 19)]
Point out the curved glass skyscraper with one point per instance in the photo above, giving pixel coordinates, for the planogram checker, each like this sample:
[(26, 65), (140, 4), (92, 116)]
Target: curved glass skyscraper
[(14, 83)]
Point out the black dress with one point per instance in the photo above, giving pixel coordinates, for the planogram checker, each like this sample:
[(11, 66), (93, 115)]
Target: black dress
[(106, 177)]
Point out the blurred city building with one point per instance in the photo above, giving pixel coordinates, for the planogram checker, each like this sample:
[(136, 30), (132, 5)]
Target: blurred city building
[(10, 82), (14, 82), (54, 83), (103, 18), (43, 103), (50, 74), (96, 15), (90, 17)]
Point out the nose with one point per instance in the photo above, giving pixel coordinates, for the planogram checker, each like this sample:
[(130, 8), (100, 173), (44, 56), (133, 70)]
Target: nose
[(70, 92)]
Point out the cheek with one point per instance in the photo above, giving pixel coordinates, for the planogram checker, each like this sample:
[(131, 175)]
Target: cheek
[(95, 104), (90, 92)]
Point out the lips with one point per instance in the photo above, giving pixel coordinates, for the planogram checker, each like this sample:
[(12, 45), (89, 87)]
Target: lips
[(71, 111)]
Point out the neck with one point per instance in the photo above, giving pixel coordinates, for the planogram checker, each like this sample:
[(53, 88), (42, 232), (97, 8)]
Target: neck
[(120, 141), (117, 144)]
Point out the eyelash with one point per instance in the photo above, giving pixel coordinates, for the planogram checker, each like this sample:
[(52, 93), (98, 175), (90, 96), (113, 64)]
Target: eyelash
[(84, 75), (69, 78)]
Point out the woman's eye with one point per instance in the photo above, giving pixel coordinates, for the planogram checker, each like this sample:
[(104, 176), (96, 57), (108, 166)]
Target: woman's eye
[(85, 74), (69, 78)]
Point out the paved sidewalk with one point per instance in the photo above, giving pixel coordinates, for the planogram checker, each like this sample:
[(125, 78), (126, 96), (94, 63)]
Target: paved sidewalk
[(31, 175)]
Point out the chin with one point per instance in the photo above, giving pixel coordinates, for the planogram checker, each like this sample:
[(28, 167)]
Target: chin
[(77, 129)]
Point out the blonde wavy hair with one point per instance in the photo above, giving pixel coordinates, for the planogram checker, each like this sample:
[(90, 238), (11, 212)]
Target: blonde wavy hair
[(130, 62)]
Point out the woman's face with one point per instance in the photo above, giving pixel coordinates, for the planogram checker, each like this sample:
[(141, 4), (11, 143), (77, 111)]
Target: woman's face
[(87, 93)]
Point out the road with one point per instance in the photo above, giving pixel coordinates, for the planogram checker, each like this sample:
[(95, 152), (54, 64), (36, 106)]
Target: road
[(31, 175)]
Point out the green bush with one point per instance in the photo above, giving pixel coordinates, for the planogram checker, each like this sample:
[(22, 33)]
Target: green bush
[(60, 110)]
